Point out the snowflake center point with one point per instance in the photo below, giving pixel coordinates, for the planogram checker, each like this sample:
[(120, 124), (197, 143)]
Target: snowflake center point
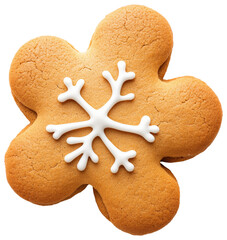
[(98, 121)]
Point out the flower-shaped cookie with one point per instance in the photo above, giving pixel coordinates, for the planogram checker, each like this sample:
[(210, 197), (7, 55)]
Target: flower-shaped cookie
[(107, 118)]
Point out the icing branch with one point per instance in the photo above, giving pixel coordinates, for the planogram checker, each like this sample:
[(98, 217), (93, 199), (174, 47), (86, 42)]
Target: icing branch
[(86, 150), (121, 158), (73, 93), (99, 120), (117, 85), (59, 130), (143, 129)]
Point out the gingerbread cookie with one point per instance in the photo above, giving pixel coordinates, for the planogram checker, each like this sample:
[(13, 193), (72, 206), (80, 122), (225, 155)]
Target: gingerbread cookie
[(107, 118)]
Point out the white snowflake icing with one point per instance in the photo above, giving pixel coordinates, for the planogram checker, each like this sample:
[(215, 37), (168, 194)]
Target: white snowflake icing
[(99, 120)]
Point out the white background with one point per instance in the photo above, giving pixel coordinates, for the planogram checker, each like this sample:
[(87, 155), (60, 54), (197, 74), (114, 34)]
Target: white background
[(200, 40)]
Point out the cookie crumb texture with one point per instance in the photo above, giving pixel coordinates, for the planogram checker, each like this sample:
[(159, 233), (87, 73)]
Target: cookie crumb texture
[(185, 109)]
